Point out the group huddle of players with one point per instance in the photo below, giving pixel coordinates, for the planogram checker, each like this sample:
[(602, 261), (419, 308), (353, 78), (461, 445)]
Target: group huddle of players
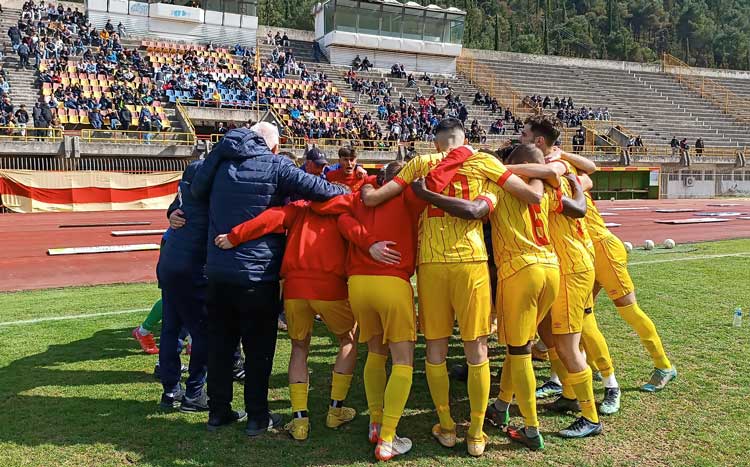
[(350, 260)]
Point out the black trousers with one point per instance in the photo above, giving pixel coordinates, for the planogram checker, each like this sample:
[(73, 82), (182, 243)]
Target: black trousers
[(249, 315)]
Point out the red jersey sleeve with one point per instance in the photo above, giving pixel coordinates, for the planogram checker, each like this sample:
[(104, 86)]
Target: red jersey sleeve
[(273, 220), (356, 233), (335, 206), (439, 177)]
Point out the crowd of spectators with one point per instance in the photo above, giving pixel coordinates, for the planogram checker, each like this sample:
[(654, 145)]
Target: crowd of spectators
[(408, 119), (565, 109)]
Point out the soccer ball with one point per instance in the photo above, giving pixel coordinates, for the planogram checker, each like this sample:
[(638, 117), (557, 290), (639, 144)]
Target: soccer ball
[(612, 199), (628, 246), (669, 244), (648, 245)]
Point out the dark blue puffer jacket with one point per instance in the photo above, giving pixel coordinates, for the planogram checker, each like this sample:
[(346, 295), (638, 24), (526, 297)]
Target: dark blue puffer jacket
[(184, 249), (242, 178)]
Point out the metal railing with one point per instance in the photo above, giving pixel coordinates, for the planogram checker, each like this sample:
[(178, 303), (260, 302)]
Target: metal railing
[(668, 151), (185, 118), (30, 134), (729, 103), (106, 164), (489, 81), (137, 137)]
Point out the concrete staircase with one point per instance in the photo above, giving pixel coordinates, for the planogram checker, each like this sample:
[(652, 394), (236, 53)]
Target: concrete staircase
[(22, 89)]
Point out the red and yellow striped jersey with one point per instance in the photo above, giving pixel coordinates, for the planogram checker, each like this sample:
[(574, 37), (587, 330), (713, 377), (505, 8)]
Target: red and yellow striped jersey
[(520, 233), (444, 238), (594, 221), (569, 236)]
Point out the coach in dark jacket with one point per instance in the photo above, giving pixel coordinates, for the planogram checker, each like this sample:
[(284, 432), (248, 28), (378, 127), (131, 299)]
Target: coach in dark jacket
[(183, 282), (241, 178)]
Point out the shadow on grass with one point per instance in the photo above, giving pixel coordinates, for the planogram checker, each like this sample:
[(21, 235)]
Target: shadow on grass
[(112, 412)]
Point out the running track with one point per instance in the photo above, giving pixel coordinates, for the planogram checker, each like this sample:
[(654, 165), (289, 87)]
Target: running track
[(24, 263)]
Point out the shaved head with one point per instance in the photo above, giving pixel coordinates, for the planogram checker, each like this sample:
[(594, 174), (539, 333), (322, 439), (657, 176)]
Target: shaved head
[(526, 154)]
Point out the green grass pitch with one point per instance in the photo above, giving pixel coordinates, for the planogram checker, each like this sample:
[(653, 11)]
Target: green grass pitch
[(78, 392)]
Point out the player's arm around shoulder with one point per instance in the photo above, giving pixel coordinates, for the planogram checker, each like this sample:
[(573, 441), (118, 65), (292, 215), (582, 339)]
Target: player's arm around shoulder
[(372, 196), (273, 220), (530, 192), (464, 209), (584, 165), (573, 206)]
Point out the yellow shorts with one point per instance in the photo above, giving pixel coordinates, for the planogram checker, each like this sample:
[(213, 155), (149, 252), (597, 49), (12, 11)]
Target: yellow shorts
[(611, 264), (300, 315), (450, 292), (523, 300), (383, 305), (574, 299)]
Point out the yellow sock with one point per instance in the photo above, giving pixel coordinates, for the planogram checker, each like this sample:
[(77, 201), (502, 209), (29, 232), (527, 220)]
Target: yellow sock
[(584, 390), (437, 381), (396, 394), (298, 396), (375, 381), (478, 387), (646, 330), (524, 386), (506, 381), (596, 346), (557, 366), (340, 387)]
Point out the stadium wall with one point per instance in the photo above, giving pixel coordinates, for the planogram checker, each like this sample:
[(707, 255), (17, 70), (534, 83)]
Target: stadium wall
[(596, 64), (709, 183)]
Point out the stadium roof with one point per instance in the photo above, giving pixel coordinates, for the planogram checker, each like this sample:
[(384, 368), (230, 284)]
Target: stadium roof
[(415, 5)]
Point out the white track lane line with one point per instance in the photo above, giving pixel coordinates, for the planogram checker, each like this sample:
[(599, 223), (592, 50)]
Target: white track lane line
[(143, 310), (61, 318)]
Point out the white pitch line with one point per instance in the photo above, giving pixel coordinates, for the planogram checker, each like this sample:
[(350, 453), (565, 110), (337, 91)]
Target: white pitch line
[(689, 258), (141, 310), (61, 318)]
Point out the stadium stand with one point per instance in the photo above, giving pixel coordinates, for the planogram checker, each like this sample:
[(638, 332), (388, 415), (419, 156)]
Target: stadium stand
[(646, 104)]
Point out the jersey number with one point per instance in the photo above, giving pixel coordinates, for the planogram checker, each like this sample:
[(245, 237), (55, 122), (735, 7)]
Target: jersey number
[(537, 226), (432, 211)]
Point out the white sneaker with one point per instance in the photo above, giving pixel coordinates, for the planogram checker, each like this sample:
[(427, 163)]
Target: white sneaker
[(387, 451)]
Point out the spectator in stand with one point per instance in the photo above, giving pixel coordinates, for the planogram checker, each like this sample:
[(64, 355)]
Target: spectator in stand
[(23, 55), (578, 141), (366, 65), (285, 40), (699, 146), (684, 152), (22, 119), (356, 63), (95, 119), (675, 145), (126, 118), (316, 51)]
